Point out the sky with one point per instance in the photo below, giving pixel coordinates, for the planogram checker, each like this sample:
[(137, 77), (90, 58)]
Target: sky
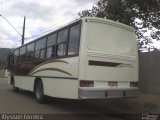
[(41, 16)]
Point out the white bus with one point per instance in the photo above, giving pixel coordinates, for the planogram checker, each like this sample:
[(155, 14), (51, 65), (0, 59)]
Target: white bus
[(90, 58)]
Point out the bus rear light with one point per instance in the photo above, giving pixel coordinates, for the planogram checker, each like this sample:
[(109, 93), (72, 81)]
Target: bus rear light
[(86, 83), (133, 84), (112, 83)]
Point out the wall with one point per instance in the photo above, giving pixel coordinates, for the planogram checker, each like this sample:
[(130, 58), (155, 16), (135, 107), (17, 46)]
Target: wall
[(149, 72), (3, 73)]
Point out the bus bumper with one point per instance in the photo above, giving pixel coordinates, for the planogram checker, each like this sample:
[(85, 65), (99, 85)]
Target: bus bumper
[(93, 93)]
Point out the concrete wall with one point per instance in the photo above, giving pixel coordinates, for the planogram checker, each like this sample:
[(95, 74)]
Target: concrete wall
[(149, 72), (3, 73)]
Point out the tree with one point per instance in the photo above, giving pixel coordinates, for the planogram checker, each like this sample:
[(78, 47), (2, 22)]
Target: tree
[(140, 14)]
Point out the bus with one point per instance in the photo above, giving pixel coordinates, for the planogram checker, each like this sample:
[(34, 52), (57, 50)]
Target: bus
[(90, 58)]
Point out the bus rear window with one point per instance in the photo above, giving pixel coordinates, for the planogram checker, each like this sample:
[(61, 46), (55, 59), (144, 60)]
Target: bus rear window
[(111, 38), (74, 37)]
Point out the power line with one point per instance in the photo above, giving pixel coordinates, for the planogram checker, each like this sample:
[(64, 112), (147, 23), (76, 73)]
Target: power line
[(11, 25), (51, 29)]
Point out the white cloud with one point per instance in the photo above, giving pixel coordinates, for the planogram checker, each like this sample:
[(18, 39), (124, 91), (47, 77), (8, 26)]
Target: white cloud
[(6, 43), (41, 15)]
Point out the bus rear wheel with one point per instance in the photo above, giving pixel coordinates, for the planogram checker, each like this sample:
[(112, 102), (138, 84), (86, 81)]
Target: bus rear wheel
[(39, 92)]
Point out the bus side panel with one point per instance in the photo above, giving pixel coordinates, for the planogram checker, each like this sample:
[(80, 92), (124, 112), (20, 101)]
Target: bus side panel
[(25, 83), (61, 88), (62, 68), (60, 77)]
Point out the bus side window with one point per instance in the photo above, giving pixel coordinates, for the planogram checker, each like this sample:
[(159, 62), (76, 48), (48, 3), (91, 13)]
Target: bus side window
[(61, 50), (40, 49), (62, 42), (51, 45), (42, 53), (30, 51), (12, 59), (51, 52), (22, 56), (16, 56), (74, 37)]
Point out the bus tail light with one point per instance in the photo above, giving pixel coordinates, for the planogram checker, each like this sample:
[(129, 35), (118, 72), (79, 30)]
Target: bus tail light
[(112, 83), (86, 83), (133, 84)]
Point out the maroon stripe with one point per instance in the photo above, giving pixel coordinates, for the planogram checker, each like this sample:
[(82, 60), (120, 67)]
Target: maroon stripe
[(46, 62), (51, 69), (102, 63)]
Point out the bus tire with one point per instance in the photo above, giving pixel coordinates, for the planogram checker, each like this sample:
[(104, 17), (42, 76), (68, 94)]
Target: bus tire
[(39, 91), (15, 89)]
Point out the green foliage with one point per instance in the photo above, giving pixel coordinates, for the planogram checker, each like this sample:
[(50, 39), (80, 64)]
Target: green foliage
[(126, 11)]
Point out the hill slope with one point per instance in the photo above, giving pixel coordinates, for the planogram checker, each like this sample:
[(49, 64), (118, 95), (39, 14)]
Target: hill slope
[(4, 52)]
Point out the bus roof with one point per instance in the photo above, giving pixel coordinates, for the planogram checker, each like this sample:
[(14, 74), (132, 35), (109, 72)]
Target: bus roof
[(88, 19), (107, 21)]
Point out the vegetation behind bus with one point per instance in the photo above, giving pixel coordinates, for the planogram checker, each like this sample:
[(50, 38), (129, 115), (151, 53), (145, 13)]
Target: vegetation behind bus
[(126, 11)]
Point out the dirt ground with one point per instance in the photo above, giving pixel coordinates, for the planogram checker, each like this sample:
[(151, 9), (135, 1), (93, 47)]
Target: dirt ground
[(145, 103)]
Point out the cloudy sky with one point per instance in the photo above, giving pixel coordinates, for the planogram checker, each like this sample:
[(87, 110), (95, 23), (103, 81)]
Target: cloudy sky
[(41, 16)]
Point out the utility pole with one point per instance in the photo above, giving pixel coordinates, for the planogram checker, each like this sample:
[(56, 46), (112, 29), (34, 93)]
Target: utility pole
[(23, 34)]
